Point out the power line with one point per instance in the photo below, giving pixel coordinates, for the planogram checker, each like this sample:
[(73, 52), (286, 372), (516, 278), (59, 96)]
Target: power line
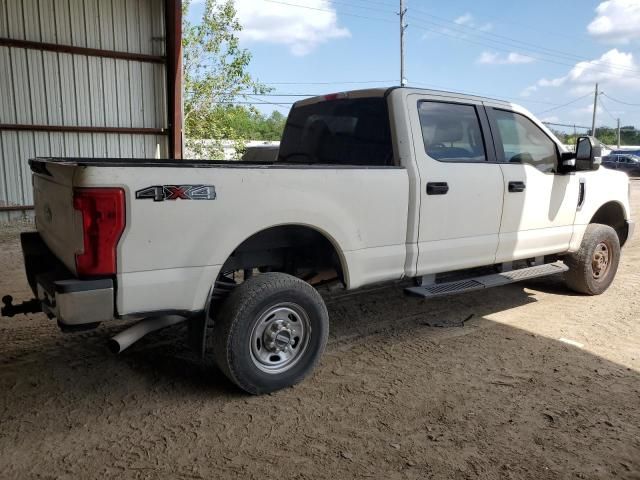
[(509, 41), (277, 104), (620, 101), (566, 125), (554, 52), (479, 94), (282, 94), (476, 42), (483, 34), (426, 85), (508, 21), (615, 119), (349, 82), (502, 20), (386, 4), (421, 84), (564, 104), (594, 63), (329, 11), (373, 9), (506, 41), (220, 102)]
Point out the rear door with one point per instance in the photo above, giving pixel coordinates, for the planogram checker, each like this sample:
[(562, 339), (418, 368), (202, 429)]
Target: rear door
[(539, 203), (461, 186)]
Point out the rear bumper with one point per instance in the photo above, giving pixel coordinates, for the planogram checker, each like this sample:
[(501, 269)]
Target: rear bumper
[(631, 226), (76, 302), (71, 301)]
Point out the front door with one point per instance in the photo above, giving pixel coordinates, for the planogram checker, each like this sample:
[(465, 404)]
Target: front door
[(539, 203), (461, 186)]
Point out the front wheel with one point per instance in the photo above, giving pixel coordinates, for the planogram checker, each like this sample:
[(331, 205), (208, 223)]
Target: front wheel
[(594, 266), (270, 333)]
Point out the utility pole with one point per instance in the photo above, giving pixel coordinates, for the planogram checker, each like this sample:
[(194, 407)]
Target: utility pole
[(618, 133), (595, 108), (403, 27)]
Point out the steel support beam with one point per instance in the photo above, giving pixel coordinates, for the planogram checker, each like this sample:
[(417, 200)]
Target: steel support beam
[(173, 10), (15, 208), (92, 52), (78, 129)]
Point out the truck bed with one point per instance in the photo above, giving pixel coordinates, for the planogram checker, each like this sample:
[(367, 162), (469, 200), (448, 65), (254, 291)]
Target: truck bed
[(170, 252), (39, 163)]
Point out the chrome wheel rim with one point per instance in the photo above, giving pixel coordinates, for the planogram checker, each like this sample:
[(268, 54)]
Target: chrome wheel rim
[(279, 338), (601, 260)]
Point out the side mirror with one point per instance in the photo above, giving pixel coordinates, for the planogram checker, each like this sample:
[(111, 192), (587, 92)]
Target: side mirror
[(588, 154)]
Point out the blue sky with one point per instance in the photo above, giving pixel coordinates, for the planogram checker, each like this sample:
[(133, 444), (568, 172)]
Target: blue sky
[(542, 54)]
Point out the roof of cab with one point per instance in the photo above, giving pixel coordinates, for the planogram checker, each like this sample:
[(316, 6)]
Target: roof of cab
[(384, 91)]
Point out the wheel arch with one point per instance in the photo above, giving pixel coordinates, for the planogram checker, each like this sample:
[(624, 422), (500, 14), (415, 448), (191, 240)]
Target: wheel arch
[(613, 214), (262, 244)]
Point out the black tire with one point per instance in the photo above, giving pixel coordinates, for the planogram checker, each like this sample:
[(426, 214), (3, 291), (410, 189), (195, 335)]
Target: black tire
[(246, 309), (586, 274)]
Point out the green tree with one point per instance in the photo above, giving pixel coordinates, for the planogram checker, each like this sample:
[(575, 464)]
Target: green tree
[(609, 136), (248, 123), (215, 76)]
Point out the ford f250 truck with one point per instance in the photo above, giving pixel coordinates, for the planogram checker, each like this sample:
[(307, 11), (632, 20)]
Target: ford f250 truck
[(449, 192)]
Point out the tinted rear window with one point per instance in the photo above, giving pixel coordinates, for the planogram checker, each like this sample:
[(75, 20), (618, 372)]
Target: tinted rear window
[(338, 132)]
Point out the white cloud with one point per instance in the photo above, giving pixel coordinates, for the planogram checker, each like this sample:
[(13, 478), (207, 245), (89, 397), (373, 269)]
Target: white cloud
[(616, 21), (529, 90), (614, 69), (614, 66), (513, 58), (554, 82), (299, 29), (466, 19)]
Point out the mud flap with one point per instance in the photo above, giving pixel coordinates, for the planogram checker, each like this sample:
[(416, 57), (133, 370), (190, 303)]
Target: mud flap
[(197, 334)]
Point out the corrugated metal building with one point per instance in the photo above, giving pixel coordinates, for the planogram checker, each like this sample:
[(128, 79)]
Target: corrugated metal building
[(87, 78)]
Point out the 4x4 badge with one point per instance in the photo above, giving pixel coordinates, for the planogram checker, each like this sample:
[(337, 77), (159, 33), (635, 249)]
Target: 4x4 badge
[(159, 193)]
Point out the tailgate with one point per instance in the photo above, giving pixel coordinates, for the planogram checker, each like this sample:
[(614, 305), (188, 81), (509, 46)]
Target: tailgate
[(56, 220)]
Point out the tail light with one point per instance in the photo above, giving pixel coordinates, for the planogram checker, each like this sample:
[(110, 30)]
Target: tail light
[(103, 221)]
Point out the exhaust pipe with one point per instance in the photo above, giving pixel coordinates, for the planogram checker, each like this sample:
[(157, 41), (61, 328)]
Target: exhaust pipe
[(131, 335)]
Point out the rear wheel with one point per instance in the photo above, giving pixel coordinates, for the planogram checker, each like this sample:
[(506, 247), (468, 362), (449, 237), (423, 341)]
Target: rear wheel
[(270, 332), (594, 266)]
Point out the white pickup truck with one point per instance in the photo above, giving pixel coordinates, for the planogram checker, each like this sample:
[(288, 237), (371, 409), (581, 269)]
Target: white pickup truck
[(447, 191)]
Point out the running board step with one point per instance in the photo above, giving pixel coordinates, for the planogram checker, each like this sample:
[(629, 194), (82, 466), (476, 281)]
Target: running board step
[(486, 281)]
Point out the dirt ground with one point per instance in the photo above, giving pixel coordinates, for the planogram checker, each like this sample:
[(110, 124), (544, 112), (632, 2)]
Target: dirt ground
[(498, 396)]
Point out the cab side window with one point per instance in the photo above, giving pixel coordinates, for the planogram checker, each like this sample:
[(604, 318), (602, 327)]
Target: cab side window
[(524, 142), (451, 132)]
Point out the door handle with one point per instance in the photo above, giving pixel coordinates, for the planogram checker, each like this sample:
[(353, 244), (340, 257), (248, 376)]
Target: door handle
[(582, 193), (517, 186), (437, 188)]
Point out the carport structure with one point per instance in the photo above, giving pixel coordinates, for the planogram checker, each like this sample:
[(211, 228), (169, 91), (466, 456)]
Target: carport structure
[(86, 78)]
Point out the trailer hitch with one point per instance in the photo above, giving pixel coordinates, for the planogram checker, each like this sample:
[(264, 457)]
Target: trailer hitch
[(10, 310)]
